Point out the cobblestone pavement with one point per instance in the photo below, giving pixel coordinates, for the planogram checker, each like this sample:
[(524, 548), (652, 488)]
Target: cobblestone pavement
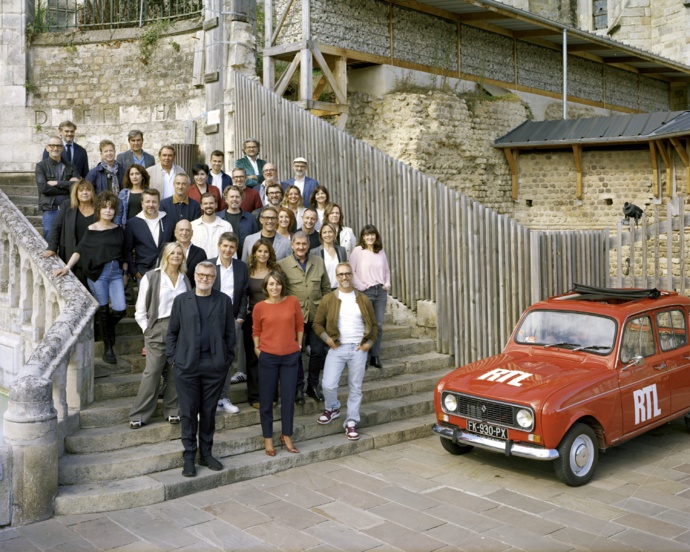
[(412, 496)]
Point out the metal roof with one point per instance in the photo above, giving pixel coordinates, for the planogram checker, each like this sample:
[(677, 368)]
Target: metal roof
[(641, 127), (494, 15)]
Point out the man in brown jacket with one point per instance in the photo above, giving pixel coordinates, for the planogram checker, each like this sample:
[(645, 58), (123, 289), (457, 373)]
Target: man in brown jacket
[(346, 322)]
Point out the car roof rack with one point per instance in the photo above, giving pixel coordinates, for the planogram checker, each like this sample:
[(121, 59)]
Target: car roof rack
[(597, 293)]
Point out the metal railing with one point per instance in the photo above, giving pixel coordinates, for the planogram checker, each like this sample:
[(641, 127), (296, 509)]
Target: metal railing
[(52, 15), (481, 269)]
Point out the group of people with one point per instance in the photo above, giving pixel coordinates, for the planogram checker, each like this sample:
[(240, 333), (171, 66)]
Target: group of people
[(238, 268)]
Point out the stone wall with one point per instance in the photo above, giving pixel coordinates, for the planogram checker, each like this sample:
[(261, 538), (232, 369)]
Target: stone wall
[(103, 86), (444, 135)]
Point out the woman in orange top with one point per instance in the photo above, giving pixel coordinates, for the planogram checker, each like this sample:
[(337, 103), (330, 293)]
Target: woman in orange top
[(278, 327)]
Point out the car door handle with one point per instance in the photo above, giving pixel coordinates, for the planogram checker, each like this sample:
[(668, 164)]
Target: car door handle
[(660, 366)]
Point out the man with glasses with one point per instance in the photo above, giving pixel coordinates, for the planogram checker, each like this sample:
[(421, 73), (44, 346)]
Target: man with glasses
[(270, 173), (72, 152), (346, 322), (269, 222), (54, 178), (251, 201), (274, 196), (200, 346), (251, 162)]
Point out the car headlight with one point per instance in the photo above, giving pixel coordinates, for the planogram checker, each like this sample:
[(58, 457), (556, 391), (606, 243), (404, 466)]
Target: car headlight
[(450, 402), (524, 418)]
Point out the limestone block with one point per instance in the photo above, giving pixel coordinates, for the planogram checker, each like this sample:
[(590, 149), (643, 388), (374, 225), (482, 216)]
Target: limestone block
[(426, 314), (5, 485)]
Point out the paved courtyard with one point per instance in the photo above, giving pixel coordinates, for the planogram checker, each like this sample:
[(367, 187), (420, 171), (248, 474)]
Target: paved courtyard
[(412, 496)]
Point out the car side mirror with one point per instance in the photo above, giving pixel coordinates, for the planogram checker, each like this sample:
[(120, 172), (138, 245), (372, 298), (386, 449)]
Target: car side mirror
[(634, 361)]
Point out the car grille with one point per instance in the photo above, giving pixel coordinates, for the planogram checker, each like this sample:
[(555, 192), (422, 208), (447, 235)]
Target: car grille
[(492, 412)]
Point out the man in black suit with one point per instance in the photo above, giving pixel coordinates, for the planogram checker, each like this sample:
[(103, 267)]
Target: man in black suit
[(200, 347), (146, 234), (193, 254), (72, 152), (179, 205), (232, 278), (136, 154)]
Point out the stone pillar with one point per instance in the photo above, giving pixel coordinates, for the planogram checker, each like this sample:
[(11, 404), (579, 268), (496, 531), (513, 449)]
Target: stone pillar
[(238, 23), (31, 430), (15, 129)]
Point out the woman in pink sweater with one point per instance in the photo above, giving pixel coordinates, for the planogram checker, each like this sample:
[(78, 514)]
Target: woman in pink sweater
[(277, 330), (372, 276)]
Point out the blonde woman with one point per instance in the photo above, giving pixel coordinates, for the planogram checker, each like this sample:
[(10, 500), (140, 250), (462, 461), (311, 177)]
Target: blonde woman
[(293, 201), (157, 290)]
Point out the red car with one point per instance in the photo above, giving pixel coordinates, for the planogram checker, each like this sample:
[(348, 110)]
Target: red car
[(582, 372)]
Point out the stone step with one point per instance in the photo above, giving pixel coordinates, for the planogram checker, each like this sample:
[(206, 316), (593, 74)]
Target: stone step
[(145, 459), (151, 489), (29, 209), (115, 411), (20, 189), (25, 199), (17, 179)]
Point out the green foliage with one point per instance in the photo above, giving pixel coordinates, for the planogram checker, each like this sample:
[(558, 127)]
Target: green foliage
[(31, 88), (148, 42), (175, 46), (71, 49), (40, 22)]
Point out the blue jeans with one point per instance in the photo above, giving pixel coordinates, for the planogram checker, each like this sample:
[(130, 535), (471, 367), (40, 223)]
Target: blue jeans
[(356, 365), (378, 297), (48, 218), (109, 286)]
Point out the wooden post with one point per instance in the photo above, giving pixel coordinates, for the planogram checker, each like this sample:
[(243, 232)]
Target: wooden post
[(655, 169), (340, 74), (682, 151), (512, 158), (306, 77), (268, 62), (665, 152)]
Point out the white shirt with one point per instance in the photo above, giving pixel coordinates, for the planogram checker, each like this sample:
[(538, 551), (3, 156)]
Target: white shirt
[(153, 224), (218, 180), (206, 234), (331, 263), (300, 185), (227, 279), (350, 321), (255, 166), (167, 294), (168, 180)]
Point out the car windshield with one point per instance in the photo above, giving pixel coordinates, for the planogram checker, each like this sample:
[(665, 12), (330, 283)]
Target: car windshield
[(568, 330)]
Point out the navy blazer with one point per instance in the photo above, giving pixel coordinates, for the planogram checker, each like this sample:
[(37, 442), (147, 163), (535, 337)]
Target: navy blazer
[(240, 294), (80, 159), (99, 178), (183, 348), (178, 211), (309, 185), (126, 159), (138, 239)]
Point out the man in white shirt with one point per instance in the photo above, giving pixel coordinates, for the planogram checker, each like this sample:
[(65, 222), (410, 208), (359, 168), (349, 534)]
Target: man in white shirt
[(208, 228), (163, 174), (346, 322)]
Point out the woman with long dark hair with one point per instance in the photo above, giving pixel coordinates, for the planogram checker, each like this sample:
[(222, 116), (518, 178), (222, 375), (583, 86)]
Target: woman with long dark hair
[(104, 255), (318, 200), (371, 274), (70, 225), (135, 182), (278, 328), (345, 237)]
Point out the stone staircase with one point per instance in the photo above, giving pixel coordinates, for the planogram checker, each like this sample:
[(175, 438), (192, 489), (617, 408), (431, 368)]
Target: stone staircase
[(107, 466), (21, 189)]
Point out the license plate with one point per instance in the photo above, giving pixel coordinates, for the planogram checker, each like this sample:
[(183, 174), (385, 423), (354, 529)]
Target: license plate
[(488, 430)]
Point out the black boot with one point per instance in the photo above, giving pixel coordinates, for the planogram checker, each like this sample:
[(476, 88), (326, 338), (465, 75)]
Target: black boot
[(113, 318), (103, 320), (375, 362)]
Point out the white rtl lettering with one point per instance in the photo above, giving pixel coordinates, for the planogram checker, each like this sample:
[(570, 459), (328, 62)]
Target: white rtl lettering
[(494, 374), (516, 380), (646, 404)]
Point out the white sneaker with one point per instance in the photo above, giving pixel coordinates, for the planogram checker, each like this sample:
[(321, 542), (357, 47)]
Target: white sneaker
[(227, 406), (239, 377)]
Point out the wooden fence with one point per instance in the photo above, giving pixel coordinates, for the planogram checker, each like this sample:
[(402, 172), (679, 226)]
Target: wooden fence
[(481, 269), (653, 255)]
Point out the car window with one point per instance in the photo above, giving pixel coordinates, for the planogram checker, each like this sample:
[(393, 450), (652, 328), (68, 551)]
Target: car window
[(638, 339), (571, 330), (672, 330)]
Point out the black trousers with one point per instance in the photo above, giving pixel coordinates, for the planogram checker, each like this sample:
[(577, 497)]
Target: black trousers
[(198, 392), (317, 358), (274, 369)]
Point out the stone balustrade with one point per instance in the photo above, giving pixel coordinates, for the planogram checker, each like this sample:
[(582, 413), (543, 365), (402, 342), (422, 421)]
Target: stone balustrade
[(46, 361)]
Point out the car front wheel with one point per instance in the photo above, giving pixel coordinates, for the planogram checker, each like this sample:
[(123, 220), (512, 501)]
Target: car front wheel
[(455, 448), (578, 456)]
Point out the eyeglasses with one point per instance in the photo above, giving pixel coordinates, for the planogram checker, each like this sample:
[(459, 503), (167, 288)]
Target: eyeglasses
[(239, 178), (343, 274), (59, 146), (203, 276), (269, 218), (270, 170)]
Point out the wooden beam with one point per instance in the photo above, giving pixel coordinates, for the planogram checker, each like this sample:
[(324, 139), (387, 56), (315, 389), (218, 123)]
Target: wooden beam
[(681, 151), (577, 152), (622, 59), (652, 70), (286, 48), (687, 169), (665, 151), (655, 169), (536, 33), (512, 158), (331, 108), (318, 56), (269, 64), (342, 120), (340, 73), (281, 22), (483, 16), (306, 74), (586, 47), (287, 75), (320, 86)]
